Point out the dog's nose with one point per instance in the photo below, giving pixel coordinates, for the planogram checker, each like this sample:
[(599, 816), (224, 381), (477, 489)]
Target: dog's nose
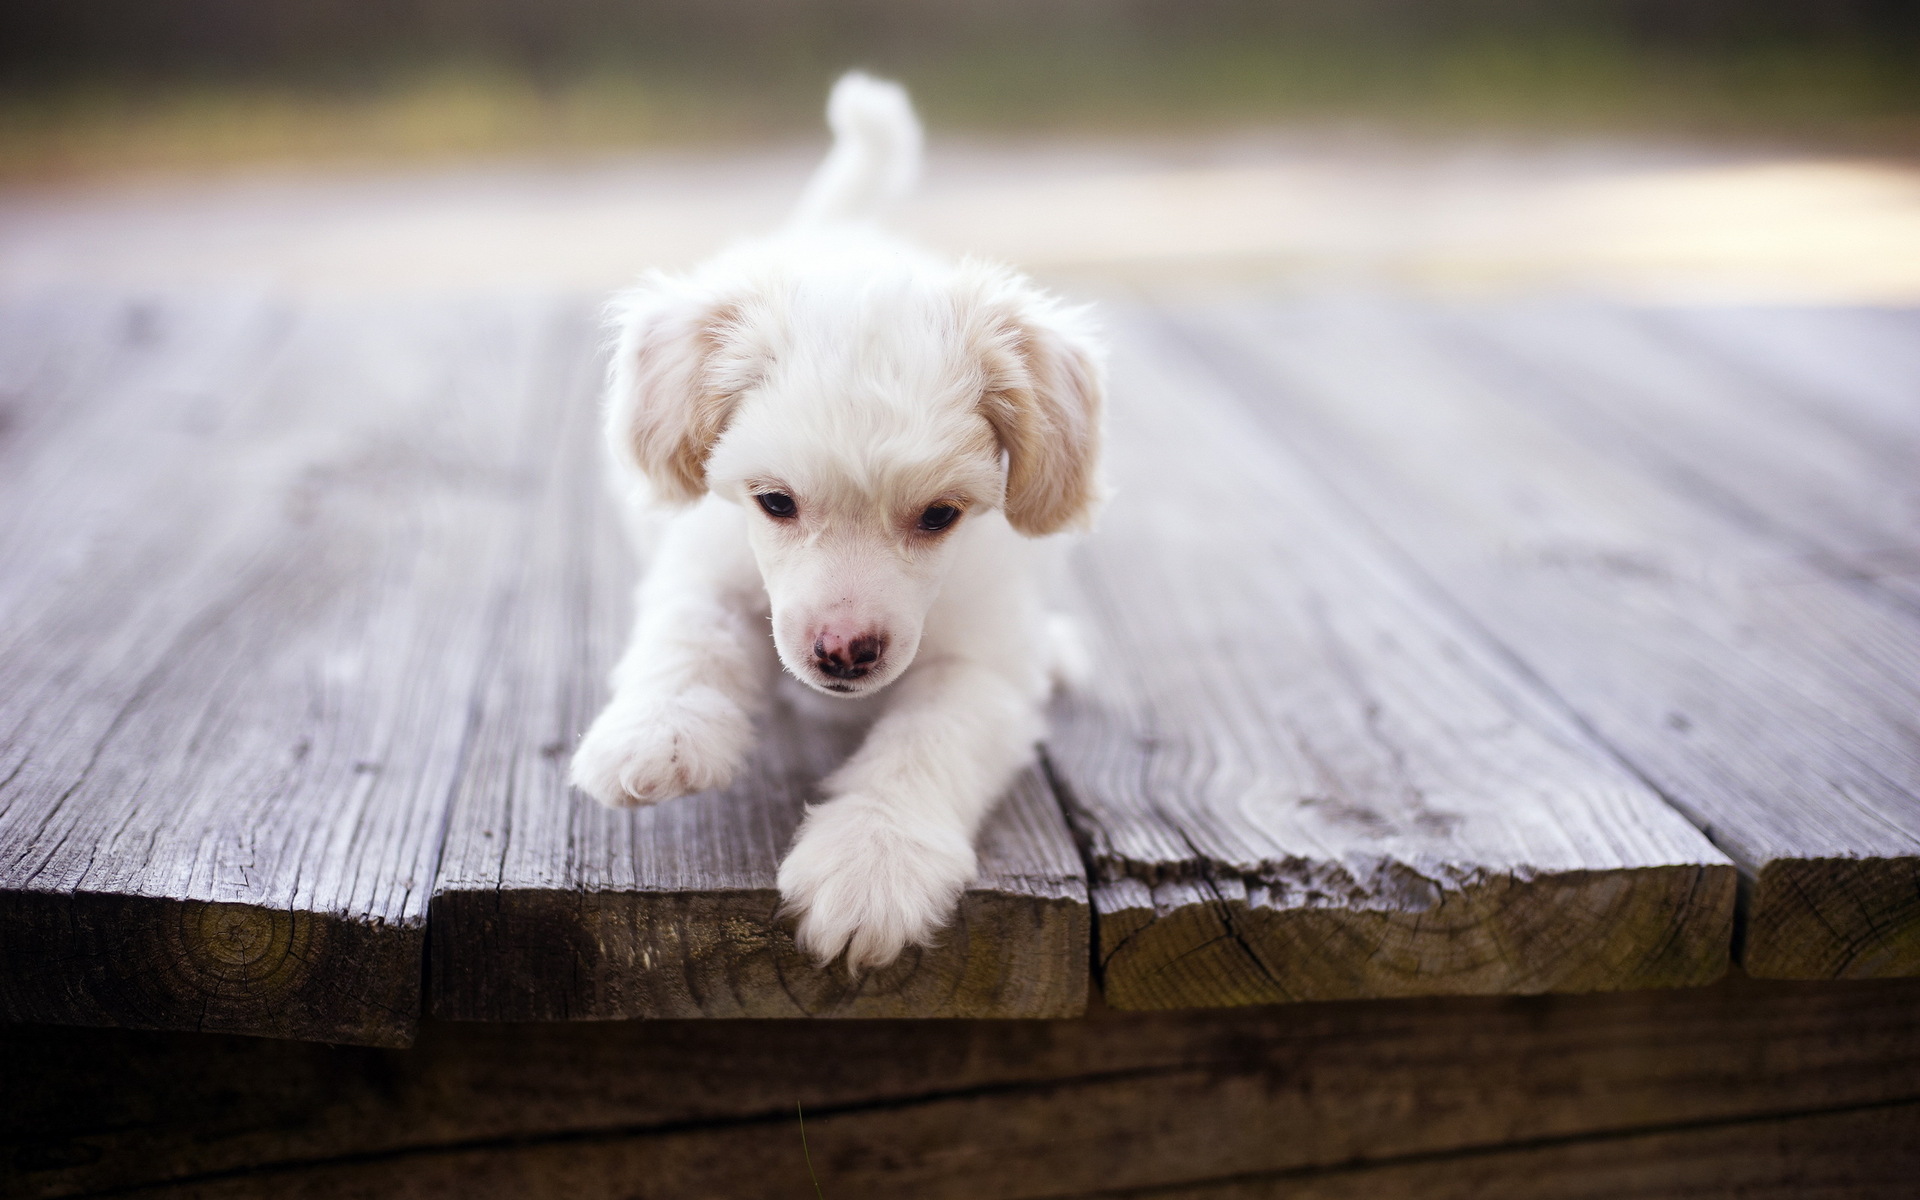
[(845, 657)]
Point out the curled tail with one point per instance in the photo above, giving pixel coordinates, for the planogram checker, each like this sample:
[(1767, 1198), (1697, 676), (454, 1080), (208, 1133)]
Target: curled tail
[(875, 158)]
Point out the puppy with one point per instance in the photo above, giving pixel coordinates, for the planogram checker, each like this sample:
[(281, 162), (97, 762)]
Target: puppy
[(833, 437)]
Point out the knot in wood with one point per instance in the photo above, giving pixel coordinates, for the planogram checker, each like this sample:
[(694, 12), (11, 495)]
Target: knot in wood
[(240, 949)]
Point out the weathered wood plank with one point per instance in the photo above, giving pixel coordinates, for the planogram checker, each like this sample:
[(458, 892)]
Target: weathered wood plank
[(1858, 369), (964, 1108), (1855, 370), (549, 907), (1843, 490), (244, 612), (56, 357), (87, 379), (1300, 778), (1772, 704)]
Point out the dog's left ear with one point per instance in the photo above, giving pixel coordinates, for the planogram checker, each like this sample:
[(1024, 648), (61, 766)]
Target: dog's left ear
[(1044, 397)]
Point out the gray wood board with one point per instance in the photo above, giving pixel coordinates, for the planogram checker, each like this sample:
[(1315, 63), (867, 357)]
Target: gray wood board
[(59, 359), (550, 907), (1773, 704), (1299, 777), (1855, 370), (1791, 461), (245, 597)]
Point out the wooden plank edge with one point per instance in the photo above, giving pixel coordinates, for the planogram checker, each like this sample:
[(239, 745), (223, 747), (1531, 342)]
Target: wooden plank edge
[(1212, 943), (1015, 950), (1834, 918), (142, 962)]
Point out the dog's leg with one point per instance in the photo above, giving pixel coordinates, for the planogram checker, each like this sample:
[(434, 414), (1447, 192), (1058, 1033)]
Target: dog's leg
[(695, 670), (882, 863)]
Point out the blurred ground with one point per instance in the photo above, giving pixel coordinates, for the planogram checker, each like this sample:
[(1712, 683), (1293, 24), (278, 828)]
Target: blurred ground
[(1331, 206), (1681, 150)]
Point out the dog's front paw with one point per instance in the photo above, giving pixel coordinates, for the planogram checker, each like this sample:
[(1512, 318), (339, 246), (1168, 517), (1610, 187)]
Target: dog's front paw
[(861, 880), (643, 751)]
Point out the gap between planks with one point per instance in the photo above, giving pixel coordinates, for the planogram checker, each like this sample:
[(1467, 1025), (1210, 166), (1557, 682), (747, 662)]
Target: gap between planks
[(1300, 778)]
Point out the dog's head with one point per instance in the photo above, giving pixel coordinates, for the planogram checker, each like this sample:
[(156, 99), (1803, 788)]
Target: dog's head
[(869, 421)]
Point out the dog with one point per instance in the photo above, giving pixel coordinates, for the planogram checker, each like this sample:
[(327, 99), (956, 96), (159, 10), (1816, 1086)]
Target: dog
[(838, 455)]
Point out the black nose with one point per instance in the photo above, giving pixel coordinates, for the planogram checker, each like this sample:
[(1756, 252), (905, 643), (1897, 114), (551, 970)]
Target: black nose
[(848, 660)]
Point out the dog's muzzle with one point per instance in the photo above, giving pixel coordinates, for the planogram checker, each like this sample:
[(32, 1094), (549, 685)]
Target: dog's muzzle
[(845, 659)]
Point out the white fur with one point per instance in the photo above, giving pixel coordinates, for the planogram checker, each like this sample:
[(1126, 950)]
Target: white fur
[(866, 380), (875, 158)]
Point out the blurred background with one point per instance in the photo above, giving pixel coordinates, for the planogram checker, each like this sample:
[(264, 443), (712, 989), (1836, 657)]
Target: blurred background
[(1667, 148)]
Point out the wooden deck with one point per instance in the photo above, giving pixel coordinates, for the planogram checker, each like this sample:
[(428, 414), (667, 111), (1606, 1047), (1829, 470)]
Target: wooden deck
[(1445, 649), (1742, 1091)]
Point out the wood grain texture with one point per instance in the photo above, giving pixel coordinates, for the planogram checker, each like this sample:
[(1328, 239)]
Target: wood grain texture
[(550, 907), (1770, 702), (61, 358), (1298, 777), (1859, 1154), (1856, 371), (243, 603), (1323, 1093), (1788, 460)]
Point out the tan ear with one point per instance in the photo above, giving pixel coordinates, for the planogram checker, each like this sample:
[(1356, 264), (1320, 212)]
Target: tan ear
[(1044, 397), (672, 383)]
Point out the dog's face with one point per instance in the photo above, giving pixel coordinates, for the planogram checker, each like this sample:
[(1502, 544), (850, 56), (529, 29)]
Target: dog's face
[(868, 426), (855, 503)]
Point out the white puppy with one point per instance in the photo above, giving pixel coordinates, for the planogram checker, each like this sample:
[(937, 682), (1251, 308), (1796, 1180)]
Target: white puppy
[(833, 430)]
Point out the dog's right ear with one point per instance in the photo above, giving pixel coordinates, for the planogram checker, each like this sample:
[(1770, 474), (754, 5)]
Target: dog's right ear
[(672, 384), (1043, 394)]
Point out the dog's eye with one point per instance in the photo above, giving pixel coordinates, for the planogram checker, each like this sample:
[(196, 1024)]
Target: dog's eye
[(938, 517), (778, 505)]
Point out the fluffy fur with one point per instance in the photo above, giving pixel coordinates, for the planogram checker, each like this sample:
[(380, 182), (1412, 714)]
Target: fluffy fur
[(874, 390)]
